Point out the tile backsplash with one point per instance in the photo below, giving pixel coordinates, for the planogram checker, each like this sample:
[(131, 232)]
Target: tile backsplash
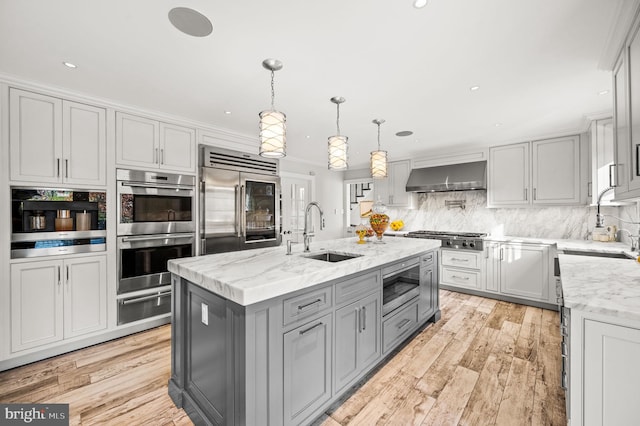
[(438, 211)]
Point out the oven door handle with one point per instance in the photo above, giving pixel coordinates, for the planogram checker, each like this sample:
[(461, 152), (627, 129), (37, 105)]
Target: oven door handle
[(157, 185), (157, 237), (144, 298)]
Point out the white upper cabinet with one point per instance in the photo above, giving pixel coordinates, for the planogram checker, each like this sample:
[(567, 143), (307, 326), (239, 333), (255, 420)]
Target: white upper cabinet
[(83, 144), (508, 175), (544, 172), (602, 160), (56, 141), (556, 171), (147, 143), (626, 117), (392, 189)]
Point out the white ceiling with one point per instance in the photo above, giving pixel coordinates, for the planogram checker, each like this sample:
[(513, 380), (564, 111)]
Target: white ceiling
[(536, 62)]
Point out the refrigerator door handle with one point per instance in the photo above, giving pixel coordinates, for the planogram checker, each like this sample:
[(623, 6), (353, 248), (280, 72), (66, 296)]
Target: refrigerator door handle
[(243, 213), (237, 212)]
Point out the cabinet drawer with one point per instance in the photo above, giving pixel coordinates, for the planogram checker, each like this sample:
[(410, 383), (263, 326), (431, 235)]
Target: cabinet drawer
[(357, 287), (461, 259), (427, 259), (399, 266), (460, 278), (399, 326), (307, 304)]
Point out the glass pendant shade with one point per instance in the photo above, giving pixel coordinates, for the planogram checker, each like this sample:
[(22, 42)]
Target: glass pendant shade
[(273, 139), (338, 152), (379, 164)]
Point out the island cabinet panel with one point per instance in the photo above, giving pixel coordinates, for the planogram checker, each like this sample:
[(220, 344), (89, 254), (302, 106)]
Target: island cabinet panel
[(285, 360), (428, 304), (357, 339), (611, 376), (305, 305), (307, 369), (209, 356), (398, 326)]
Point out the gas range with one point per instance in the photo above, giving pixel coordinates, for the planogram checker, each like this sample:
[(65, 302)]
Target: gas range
[(454, 240)]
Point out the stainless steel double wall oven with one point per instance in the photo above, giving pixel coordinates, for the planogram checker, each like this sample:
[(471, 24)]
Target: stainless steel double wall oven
[(156, 223)]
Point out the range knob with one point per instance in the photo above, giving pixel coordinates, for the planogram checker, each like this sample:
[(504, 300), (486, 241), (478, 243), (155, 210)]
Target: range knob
[(448, 243), (472, 244), (464, 244)]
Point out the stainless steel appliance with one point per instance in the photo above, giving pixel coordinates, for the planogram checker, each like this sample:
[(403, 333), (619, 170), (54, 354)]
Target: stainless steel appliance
[(400, 284), (239, 201), (154, 202), (155, 224), (142, 259), (453, 240), (144, 283)]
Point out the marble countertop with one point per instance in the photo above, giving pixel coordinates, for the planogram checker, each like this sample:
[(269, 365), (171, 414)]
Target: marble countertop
[(251, 276), (564, 244), (601, 285)]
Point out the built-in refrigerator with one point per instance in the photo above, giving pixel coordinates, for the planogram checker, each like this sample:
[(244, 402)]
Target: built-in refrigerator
[(240, 201)]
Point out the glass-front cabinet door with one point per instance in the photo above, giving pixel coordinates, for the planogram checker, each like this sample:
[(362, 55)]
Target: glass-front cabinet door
[(261, 199)]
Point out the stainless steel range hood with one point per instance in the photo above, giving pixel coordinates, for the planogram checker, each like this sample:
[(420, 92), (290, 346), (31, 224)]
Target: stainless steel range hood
[(454, 177)]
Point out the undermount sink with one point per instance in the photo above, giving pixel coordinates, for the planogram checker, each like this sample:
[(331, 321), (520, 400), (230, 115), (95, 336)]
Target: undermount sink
[(332, 256), (597, 254)]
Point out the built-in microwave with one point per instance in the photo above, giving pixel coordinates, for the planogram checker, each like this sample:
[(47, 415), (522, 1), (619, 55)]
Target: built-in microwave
[(154, 202)]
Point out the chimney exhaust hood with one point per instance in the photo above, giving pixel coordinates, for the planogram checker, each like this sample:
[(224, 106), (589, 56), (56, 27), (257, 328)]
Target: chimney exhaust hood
[(453, 177)]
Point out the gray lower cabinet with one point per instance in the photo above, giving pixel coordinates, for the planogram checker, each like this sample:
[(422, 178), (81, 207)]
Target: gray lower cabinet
[(357, 339), (283, 361), (428, 304), (307, 368)]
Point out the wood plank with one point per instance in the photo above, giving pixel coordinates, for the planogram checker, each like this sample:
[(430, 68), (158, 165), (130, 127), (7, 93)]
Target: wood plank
[(454, 397), (517, 398), (529, 337), (498, 315), (479, 349), (442, 370), (485, 399), (412, 410)]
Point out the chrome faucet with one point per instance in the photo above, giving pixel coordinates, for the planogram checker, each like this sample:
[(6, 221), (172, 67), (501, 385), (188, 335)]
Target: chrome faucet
[(635, 239), (306, 234), (600, 217)]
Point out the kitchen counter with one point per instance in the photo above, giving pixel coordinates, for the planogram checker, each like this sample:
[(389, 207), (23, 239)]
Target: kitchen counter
[(601, 285), (251, 276), (564, 244)]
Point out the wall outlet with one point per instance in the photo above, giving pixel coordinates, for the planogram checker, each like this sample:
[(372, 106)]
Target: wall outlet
[(205, 313)]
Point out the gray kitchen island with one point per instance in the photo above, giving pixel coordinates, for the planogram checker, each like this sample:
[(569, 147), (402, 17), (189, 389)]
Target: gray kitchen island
[(261, 337)]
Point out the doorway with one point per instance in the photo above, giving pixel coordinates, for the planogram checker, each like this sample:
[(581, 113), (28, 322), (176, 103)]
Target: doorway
[(297, 192)]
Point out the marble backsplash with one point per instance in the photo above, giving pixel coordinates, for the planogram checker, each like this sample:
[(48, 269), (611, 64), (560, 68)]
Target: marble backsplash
[(571, 222)]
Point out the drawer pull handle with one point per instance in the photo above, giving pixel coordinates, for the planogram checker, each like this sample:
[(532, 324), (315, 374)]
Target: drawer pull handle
[(403, 323), (457, 259), (302, 332), (458, 277), (301, 307)]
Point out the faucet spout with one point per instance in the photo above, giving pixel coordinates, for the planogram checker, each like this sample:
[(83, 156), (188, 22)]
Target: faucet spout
[(600, 217), (307, 234)]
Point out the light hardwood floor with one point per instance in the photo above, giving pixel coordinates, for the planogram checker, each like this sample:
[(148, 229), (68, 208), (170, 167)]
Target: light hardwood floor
[(485, 362)]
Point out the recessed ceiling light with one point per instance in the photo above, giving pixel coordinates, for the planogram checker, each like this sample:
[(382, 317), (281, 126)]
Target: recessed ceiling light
[(419, 4), (603, 92), (69, 65), (190, 21), (308, 137), (227, 112), (474, 88), (498, 124), (404, 133)]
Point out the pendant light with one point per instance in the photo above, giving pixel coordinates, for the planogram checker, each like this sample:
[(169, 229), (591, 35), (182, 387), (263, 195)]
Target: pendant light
[(379, 157), (338, 144), (273, 138)]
